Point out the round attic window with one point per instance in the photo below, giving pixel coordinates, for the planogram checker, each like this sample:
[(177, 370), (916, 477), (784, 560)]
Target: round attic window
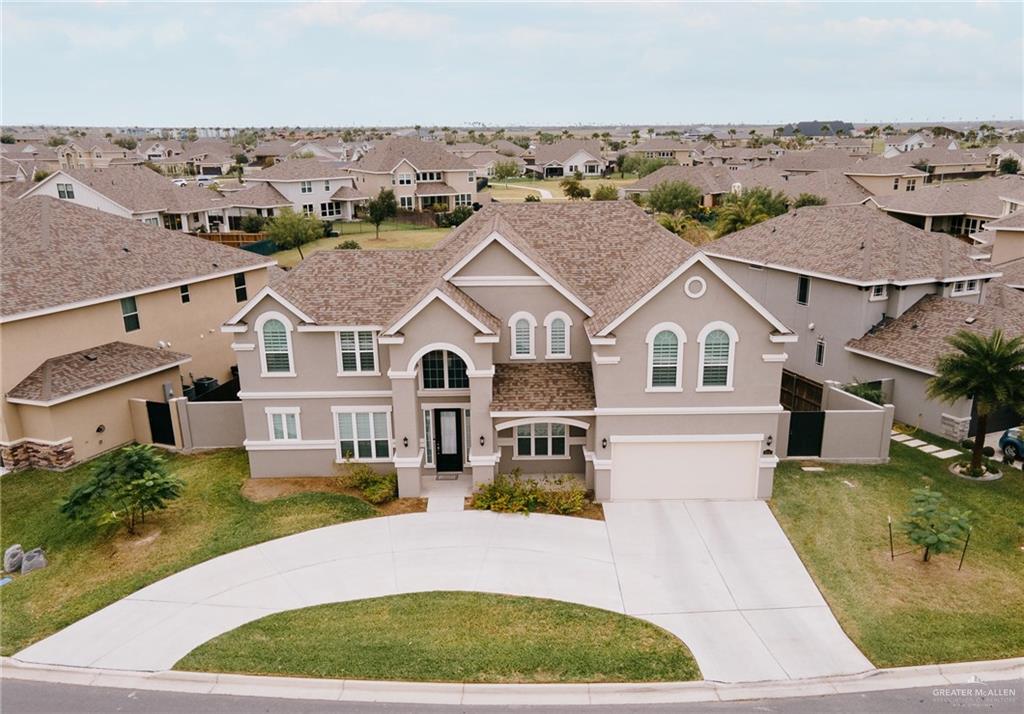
[(695, 287)]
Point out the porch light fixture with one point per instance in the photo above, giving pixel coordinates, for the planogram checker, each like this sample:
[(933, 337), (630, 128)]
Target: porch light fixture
[(770, 440), (604, 443), (482, 440), (405, 441)]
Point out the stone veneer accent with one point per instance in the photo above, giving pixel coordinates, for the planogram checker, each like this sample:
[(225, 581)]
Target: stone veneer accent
[(27, 454)]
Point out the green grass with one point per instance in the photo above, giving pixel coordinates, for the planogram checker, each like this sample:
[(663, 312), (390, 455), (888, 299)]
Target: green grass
[(906, 612), (498, 190), (450, 637), (392, 235), (92, 568)]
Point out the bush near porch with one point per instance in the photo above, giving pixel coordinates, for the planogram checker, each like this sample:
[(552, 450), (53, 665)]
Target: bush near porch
[(450, 637), (90, 568), (907, 612), (512, 493)]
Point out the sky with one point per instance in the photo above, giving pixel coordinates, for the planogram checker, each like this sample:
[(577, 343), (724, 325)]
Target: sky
[(501, 64)]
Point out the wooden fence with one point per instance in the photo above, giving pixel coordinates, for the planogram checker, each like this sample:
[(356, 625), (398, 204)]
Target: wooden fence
[(234, 239)]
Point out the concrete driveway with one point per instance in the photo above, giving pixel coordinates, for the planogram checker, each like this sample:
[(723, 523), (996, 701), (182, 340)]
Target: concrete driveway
[(721, 576)]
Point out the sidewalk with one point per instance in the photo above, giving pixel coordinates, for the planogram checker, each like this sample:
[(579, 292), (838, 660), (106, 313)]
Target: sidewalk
[(945, 675)]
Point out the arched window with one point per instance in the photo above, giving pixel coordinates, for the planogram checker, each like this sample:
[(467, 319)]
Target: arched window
[(665, 357), (444, 370), (716, 357), (522, 326), (274, 333), (558, 324)]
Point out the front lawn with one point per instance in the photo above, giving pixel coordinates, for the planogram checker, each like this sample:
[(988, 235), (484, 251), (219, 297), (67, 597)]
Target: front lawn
[(908, 612), (90, 569), (392, 235), (450, 637), (511, 194)]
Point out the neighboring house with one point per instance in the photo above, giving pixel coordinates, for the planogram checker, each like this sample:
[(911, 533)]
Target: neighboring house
[(960, 208), (11, 170), (422, 174), (320, 188), (907, 142), (96, 310), (880, 176), (943, 164), (32, 156), (578, 339), (663, 148), (483, 162), (93, 154), (139, 193), (270, 152), (737, 157), (817, 128), (167, 154), (1006, 234), (1013, 273), (507, 148), (839, 275), (210, 157), (716, 183), (567, 157), (851, 146), (810, 160), (1006, 151)]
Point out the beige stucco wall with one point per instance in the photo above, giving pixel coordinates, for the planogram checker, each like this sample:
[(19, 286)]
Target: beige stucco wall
[(192, 328), (80, 418), (1007, 245)]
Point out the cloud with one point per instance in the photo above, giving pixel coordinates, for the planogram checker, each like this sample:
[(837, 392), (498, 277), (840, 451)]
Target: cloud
[(873, 29), (408, 23)]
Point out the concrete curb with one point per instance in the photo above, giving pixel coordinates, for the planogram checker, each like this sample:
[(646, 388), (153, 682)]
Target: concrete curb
[(939, 675)]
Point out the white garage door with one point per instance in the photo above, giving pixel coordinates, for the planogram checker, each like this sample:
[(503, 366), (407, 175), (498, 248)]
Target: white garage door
[(683, 467)]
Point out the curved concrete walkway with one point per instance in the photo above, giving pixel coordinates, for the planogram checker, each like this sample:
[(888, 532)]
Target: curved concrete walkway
[(748, 613), (544, 193)]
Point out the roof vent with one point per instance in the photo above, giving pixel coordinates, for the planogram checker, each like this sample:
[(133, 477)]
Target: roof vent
[(862, 245), (913, 326), (90, 357), (126, 249), (971, 320)]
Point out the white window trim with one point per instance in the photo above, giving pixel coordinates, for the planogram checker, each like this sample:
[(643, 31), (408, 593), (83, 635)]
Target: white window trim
[(263, 353), (734, 338), (820, 342), (272, 411), (305, 187), (798, 279), (338, 456), (533, 457), (878, 298), (411, 201), (681, 336), (551, 317), (376, 354), (965, 290), (522, 315)]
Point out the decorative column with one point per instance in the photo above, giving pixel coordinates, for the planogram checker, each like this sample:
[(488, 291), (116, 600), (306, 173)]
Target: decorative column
[(405, 418), (483, 448)]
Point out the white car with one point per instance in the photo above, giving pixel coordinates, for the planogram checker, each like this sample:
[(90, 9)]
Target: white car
[(205, 180), (180, 182)]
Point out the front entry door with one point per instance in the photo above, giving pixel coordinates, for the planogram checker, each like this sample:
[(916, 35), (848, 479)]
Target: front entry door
[(448, 440)]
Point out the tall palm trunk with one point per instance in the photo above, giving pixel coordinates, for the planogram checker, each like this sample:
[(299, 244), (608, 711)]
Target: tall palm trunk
[(979, 441)]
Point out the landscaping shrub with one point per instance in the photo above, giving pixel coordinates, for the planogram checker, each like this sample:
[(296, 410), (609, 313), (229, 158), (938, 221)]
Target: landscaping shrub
[(988, 452), (532, 198), (967, 444), (377, 488), (865, 391), (605, 192), (566, 498), (253, 224), (511, 493), (348, 245)]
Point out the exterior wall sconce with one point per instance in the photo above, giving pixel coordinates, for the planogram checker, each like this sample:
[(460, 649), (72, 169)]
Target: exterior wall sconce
[(482, 440), (604, 443), (768, 443), (405, 441)]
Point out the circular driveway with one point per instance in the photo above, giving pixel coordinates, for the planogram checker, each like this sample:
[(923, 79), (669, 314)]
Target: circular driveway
[(721, 576)]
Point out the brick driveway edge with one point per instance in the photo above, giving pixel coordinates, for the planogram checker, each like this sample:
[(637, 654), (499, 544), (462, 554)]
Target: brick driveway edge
[(938, 675)]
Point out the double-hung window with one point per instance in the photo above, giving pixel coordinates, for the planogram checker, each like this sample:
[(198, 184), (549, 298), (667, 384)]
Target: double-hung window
[(186, 297), (130, 314), (357, 352), (327, 185), (405, 203), (306, 187), (308, 209), (541, 440), (819, 352), (65, 190), (879, 292), (404, 179), (463, 199), (283, 423), (241, 294), (363, 435), (965, 287), (444, 370), (803, 290)]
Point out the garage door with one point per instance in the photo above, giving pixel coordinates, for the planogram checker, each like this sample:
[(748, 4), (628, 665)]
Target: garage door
[(674, 467)]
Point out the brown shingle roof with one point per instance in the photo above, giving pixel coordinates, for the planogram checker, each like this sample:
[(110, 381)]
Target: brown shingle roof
[(562, 151), (258, 194), (301, 170), (63, 377), (435, 188), (857, 243), (881, 166), (423, 155), (1012, 221), (814, 160), (56, 253), (918, 336), (140, 189), (543, 386), (980, 197), (1013, 273)]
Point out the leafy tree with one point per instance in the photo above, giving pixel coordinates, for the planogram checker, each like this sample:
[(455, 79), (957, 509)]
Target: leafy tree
[(122, 488), (253, 223), (573, 189), (809, 199), (56, 141), (504, 170), (641, 166), (458, 215), (6, 138), (748, 208), (241, 159), (933, 525), (989, 369), (40, 174), (888, 129), (381, 208), (289, 229), (1009, 165), (605, 192), (686, 227), (126, 142), (674, 197)]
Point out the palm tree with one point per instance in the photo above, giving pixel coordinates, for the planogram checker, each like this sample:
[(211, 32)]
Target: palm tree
[(989, 369), (740, 211)]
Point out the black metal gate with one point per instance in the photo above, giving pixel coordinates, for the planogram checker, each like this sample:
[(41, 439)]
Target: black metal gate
[(160, 428), (999, 420), (805, 430)]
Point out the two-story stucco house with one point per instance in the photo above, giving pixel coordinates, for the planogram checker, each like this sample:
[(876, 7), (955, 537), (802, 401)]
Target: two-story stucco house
[(96, 310), (320, 188), (552, 338), (841, 275), (422, 174)]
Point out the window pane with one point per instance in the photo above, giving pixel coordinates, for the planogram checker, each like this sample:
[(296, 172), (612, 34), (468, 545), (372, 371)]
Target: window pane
[(457, 377), (380, 447), (433, 370), (128, 306), (716, 359), (558, 446), (290, 421), (345, 426), (428, 441), (275, 346), (558, 337), (366, 363), (523, 430), (131, 323), (364, 449), (348, 449), (347, 342), (540, 429), (380, 425), (363, 425), (540, 446), (558, 430), (523, 444), (523, 336), (663, 376), (278, 428), (664, 356)]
